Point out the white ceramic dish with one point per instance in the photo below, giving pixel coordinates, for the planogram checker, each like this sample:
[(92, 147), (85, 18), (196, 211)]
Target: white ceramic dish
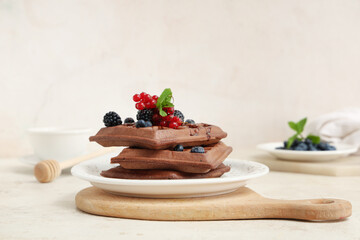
[(30, 160), (342, 150), (59, 143), (240, 172)]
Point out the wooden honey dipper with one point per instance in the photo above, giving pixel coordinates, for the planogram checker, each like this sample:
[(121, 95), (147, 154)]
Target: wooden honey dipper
[(47, 170)]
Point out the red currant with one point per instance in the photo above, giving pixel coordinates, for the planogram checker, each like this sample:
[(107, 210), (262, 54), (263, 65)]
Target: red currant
[(147, 104), (140, 106), (169, 117), (142, 95), (156, 117), (136, 97), (173, 125), (153, 104), (176, 119), (155, 97), (147, 97), (169, 110), (163, 123)]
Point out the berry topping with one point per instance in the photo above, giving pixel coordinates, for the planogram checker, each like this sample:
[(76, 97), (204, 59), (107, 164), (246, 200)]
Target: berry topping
[(169, 110), (197, 149), (140, 124), (179, 114), (146, 115), (148, 124), (136, 98), (142, 95), (176, 119), (147, 97), (129, 120), (112, 119), (163, 123), (155, 97), (179, 148), (189, 121), (153, 103), (173, 125), (169, 118), (140, 106)]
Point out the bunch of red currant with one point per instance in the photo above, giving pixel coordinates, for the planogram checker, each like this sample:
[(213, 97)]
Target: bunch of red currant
[(144, 100), (169, 120)]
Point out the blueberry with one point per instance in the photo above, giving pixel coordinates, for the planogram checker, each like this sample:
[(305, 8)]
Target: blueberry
[(308, 142), (140, 124), (295, 143), (197, 149), (312, 148), (301, 147), (190, 121), (179, 148), (323, 146), (332, 148), (280, 148), (285, 144), (129, 120), (148, 124)]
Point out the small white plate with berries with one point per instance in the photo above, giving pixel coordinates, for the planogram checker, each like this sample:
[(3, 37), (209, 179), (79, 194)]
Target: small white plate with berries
[(241, 171), (323, 153)]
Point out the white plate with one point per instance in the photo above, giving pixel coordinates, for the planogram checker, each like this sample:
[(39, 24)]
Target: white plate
[(240, 172), (342, 150)]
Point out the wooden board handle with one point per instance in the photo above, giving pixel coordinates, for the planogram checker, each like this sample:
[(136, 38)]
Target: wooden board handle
[(309, 209)]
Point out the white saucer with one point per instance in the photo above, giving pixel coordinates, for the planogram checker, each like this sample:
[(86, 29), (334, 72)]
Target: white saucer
[(342, 150), (240, 172)]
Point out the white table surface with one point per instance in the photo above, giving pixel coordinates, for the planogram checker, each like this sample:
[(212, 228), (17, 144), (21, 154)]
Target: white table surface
[(30, 210)]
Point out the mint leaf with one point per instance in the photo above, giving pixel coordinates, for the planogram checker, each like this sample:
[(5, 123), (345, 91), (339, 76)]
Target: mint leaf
[(165, 96), (164, 101), (162, 112), (293, 126), (314, 139), (169, 104), (291, 140), (301, 125)]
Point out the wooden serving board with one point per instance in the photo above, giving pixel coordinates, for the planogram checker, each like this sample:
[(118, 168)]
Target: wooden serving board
[(241, 204), (349, 166)]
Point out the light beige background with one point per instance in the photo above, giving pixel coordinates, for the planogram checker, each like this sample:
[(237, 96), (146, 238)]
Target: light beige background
[(248, 66)]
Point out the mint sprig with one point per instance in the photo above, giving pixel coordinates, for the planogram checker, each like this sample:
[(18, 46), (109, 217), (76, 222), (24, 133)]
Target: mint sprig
[(164, 101), (299, 128)]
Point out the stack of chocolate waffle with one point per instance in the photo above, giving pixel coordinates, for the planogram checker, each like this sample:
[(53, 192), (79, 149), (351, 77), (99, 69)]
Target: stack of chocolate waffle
[(151, 155)]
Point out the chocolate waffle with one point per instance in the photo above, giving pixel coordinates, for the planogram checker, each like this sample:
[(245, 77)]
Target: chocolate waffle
[(185, 161), (157, 137), (120, 172)]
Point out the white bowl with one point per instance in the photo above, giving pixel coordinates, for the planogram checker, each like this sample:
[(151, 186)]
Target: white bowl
[(342, 150), (240, 172), (58, 143)]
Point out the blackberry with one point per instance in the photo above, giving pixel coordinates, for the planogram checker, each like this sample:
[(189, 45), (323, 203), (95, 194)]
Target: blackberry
[(112, 119), (145, 115), (190, 121), (148, 124), (179, 148), (129, 120), (197, 149), (179, 114), (141, 123)]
